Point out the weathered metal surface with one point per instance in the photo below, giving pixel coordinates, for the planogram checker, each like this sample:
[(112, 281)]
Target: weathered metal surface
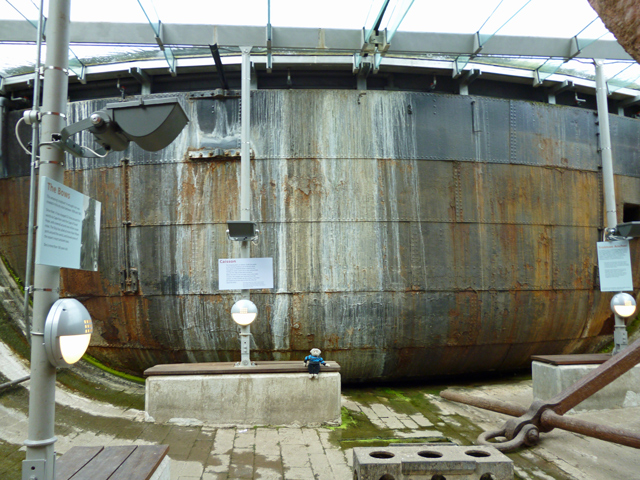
[(627, 144), (457, 235)]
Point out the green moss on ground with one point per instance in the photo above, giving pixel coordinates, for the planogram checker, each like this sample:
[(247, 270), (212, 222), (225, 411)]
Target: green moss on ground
[(10, 460), (101, 366)]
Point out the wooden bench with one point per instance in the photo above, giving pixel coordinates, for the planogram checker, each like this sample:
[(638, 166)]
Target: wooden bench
[(229, 368), (574, 359), (131, 462)]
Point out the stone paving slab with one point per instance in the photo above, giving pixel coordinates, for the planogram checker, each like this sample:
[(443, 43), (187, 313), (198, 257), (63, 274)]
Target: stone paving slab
[(374, 417)]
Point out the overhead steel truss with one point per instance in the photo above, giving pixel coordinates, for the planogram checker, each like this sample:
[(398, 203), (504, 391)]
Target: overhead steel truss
[(323, 39)]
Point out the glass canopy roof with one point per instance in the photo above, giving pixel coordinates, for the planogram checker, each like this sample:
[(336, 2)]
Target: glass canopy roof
[(540, 20)]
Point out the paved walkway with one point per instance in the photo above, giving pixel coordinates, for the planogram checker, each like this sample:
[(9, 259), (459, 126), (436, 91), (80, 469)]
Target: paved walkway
[(374, 416)]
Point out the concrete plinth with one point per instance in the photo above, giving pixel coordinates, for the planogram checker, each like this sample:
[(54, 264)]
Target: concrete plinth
[(245, 398), (430, 462), (549, 380)]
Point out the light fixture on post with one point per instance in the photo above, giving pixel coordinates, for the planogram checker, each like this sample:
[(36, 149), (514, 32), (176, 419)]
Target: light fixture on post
[(628, 229), (67, 332), (623, 306), (152, 123), (244, 312), (242, 231)]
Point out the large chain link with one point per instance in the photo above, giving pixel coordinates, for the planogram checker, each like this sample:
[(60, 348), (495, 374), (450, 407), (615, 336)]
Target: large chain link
[(528, 435)]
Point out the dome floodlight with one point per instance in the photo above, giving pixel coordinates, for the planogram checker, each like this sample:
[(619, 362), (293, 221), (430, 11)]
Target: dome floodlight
[(623, 305), (67, 332), (152, 123), (244, 312)]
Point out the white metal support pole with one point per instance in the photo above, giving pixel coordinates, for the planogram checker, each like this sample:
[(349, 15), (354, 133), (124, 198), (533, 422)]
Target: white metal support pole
[(605, 147), (245, 184), (40, 442), (245, 153), (620, 336), (620, 339)]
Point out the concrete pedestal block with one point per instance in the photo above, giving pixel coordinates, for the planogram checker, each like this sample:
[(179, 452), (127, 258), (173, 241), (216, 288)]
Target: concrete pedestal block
[(431, 461), (245, 399), (549, 380)]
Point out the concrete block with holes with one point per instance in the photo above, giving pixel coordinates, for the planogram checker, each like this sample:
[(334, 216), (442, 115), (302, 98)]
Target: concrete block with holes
[(431, 462)]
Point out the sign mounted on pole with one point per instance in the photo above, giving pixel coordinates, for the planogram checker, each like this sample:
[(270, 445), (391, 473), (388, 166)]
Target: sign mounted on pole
[(614, 265), (69, 231), (245, 273)]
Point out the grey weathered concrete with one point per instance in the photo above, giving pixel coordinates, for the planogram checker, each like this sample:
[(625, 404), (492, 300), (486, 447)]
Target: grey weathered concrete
[(409, 462), (549, 380), (163, 472), (245, 399)]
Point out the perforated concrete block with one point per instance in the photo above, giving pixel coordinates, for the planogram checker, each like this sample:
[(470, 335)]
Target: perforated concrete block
[(431, 462)]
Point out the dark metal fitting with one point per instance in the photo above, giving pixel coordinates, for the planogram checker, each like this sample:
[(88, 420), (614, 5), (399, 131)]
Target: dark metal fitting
[(39, 289)]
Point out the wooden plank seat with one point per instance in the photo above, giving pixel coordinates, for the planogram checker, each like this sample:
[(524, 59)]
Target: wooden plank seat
[(229, 368), (576, 359), (131, 462)]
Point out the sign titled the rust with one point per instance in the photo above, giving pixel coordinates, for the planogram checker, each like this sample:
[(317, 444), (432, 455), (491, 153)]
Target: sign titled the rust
[(245, 273), (614, 265)]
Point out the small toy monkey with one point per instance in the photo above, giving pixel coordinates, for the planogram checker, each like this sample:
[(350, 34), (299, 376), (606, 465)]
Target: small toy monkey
[(313, 362)]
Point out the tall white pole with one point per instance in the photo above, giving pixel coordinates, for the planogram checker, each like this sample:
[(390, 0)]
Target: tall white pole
[(605, 147), (245, 152), (245, 184), (620, 339), (41, 439)]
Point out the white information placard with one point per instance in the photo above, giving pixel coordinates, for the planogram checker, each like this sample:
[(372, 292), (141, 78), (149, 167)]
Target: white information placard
[(69, 231), (614, 265), (245, 273)]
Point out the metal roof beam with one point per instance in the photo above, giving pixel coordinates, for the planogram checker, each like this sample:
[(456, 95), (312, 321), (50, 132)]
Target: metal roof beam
[(397, 18), (143, 78), (158, 29), (376, 23), (32, 11), (215, 53), (629, 101), (320, 39), (496, 21), (466, 78)]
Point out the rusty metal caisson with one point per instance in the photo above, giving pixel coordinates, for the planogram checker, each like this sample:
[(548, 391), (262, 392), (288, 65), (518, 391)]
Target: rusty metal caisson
[(454, 236)]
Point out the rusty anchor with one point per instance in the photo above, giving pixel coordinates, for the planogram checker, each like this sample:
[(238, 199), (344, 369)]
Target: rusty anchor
[(543, 416)]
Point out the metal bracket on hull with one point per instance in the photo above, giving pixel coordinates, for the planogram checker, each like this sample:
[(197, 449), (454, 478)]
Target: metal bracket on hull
[(217, 94), (217, 153), (129, 281)]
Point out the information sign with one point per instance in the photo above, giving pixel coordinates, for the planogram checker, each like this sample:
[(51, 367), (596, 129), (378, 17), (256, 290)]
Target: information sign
[(614, 265), (245, 273), (69, 231)]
